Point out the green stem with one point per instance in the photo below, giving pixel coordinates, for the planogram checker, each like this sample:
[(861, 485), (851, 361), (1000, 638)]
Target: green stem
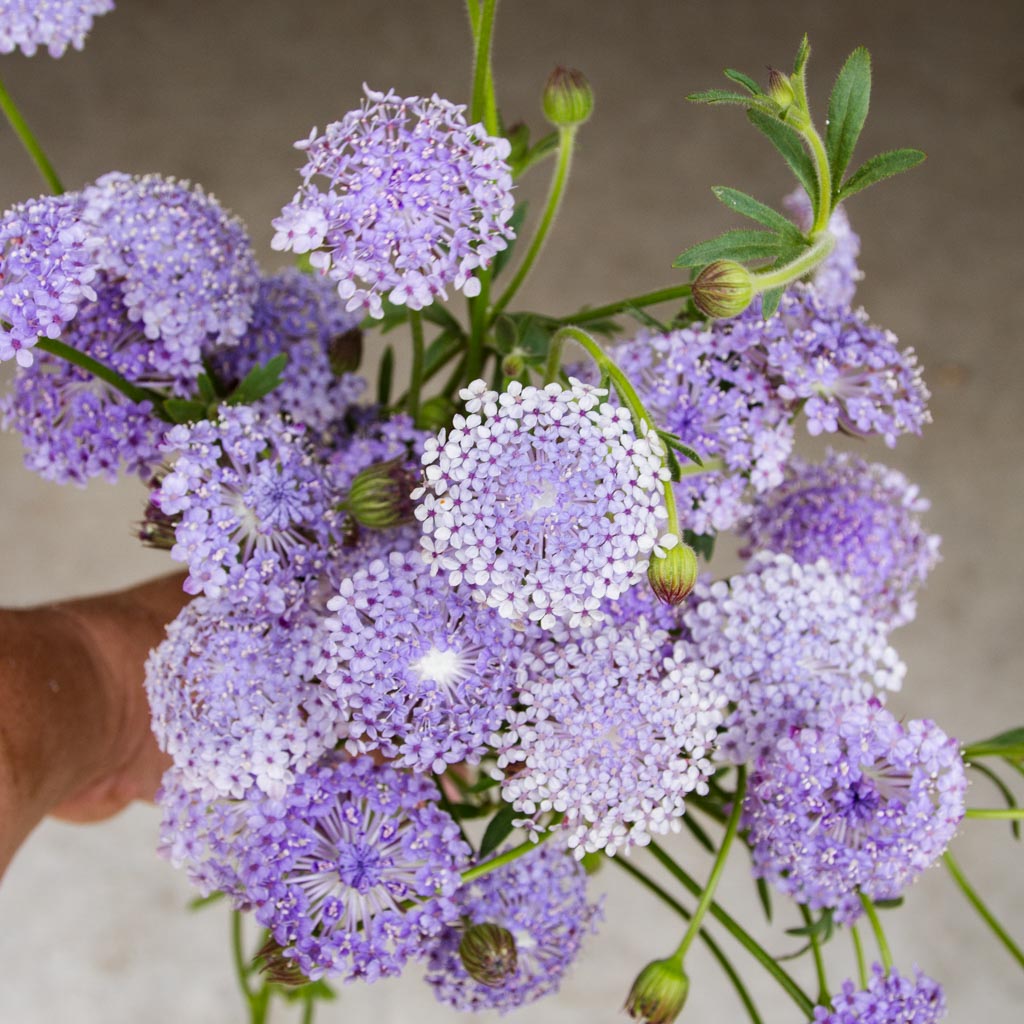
[(986, 915), (997, 814), (824, 174), (28, 140), (309, 1009), (858, 952), (739, 933), (876, 926), (797, 268), (716, 951), (679, 291), (416, 377), (101, 370), (566, 142), (238, 956), (824, 996), (718, 867), (484, 107), (509, 855), (478, 321)]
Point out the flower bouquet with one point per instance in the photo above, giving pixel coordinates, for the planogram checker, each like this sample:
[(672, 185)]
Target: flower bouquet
[(456, 642)]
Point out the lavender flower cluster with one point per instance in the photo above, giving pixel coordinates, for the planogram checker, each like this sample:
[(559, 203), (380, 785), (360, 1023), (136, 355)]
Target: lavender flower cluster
[(395, 629)]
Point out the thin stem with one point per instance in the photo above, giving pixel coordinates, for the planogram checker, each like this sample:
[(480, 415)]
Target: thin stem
[(718, 867), (824, 996), (986, 915), (876, 926), (416, 377), (101, 370), (797, 268), (716, 951), (679, 291), (478, 321), (824, 210), (739, 933), (509, 855), (484, 107), (566, 143), (309, 1010), (997, 813), (238, 956), (858, 952), (28, 140)]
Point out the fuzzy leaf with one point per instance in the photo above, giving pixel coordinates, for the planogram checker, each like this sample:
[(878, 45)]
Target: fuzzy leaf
[(878, 168), (847, 111), (787, 140), (703, 544), (673, 441), (498, 830), (258, 382), (770, 302), (748, 206), (720, 96), (740, 245), (745, 80)]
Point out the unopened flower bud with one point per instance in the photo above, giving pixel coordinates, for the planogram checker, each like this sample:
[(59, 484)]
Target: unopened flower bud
[(379, 495), (659, 992), (157, 528), (514, 363), (435, 413), (345, 351), (723, 289), (568, 98), (488, 952), (673, 576), (780, 89)]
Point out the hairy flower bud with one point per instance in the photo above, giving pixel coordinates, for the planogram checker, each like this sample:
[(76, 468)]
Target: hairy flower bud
[(568, 98), (673, 576), (379, 496), (780, 89), (488, 952), (723, 289), (659, 992)]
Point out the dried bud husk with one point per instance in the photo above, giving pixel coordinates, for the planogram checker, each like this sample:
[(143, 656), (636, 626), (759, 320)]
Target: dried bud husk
[(277, 967), (568, 98), (345, 351), (673, 576), (659, 992), (488, 952), (379, 496), (157, 528), (723, 289)]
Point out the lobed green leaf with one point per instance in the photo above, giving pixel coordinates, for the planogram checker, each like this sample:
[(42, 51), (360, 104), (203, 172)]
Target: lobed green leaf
[(788, 141), (739, 245), (847, 111), (878, 168), (499, 828), (748, 206)]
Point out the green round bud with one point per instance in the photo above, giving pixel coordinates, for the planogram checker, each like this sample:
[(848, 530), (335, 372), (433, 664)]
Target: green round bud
[(435, 413), (780, 89), (345, 351), (488, 952), (568, 98), (379, 495), (514, 363), (673, 576), (722, 289), (659, 992)]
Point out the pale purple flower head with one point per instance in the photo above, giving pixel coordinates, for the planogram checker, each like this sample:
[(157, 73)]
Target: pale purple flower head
[(252, 513), (186, 267), (416, 200), (419, 672), (352, 871), (889, 998), (53, 24), (785, 639), (299, 316), (863, 518), (235, 701), (855, 802), (75, 426), (46, 272), (542, 502), (720, 405), (835, 280), (541, 900), (612, 734)]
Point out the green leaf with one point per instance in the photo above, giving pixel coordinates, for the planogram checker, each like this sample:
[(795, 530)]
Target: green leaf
[(498, 830), (546, 147), (310, 992), (765, 896), (207, 392), (439, 351), (483, 784), (748, 206), (847, 111), (770, 302), (385, 375), (888, 904), (435, 313), (698, 833), (1005, 791), (799, 76), (789, 142), (186, 410), (673, 441), (259, 381), (878, 168), (516, 222), (703, 544), (740, 245), (720, 96), (1005, 744), (745, 80)]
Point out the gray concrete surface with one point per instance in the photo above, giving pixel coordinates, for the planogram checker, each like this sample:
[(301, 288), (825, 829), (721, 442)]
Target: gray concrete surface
[(92, 925)]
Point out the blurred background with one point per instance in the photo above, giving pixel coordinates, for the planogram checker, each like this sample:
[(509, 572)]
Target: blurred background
[(93, 925)]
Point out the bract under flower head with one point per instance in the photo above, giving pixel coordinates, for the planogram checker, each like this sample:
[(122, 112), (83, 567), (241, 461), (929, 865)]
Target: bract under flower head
[(890, 998), (46, 272), (55, 24), (353, 871), (541, 900), (542, 502), (785, 639), (416, 201), (855, 802), (420, 673), (234, 699), (612, 734), (863, 518)]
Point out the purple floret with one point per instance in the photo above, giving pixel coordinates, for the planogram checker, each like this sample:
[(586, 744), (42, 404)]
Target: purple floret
[(53, 24), (889, 998), (856, 802)]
